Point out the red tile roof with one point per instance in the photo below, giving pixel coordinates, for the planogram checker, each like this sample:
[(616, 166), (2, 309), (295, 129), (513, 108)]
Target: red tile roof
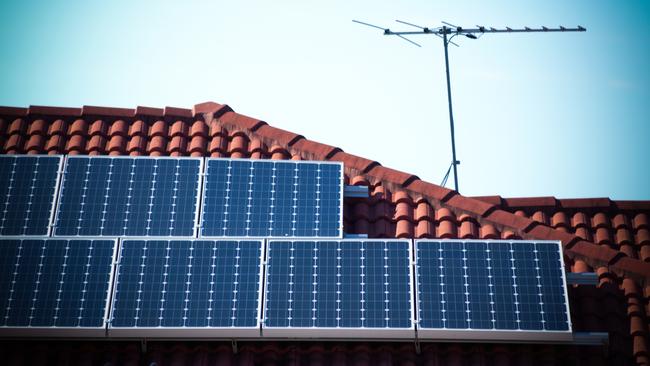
[(611, 238)]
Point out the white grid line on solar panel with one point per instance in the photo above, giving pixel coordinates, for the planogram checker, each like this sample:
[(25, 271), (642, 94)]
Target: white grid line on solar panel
[(266, 198), (338, 289), (28, 193), (521, 275), (56, 287), (109, 196), (167, 287)]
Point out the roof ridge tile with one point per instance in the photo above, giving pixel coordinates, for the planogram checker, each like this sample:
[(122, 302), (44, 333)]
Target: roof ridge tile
[(315, 150), (171, 112), (89, 110), (282, 137), (213, 109), (53, 111), (149, 111), (353, 162), (382, 173), (241, 121)]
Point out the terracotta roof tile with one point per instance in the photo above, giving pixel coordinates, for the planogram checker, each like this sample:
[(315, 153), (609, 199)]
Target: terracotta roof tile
[(312, 150), (13, 111), (89, 110), (38, 126), (527, 202), (76, 143), (470, 205), (277, 135), (141, 111), (137, 144), (177, 146), (118, 128), (54, 111), (213, 109), (173, 112), (35, 144), (278, 152), (237, 120), (509, 220), (98, 127), (402, 179), (356, 164), (58, 127), (433, 191)]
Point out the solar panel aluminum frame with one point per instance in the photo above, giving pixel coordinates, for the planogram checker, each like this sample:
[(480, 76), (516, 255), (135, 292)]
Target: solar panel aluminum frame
[(342, 333), (57, 185), (67, 332), (199, 192), (213, 333), (342, 192), (492, 335)]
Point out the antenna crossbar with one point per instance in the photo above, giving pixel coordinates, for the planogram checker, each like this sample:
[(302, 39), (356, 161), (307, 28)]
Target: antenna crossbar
[(447, 32)]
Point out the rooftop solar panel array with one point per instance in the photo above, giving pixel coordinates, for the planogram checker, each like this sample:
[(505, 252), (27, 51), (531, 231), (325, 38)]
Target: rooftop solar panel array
[(122, 196), (513, 289), (28, 186), (278, 218), (256, 198), (54, 283), (338, 288), (193, 286)]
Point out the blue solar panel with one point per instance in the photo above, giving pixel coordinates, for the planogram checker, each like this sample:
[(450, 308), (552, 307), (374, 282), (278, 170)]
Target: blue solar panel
[(28, 185), (258, 198), (189, 285), (123, 196), (491, 285), (338, 289), (60, 284)]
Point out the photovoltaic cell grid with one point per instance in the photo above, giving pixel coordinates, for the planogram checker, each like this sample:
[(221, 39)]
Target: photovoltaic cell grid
[(122, 196), (54, 282), (28, 187), (248, 198), (187, 284), (338, 284), (491, 285)]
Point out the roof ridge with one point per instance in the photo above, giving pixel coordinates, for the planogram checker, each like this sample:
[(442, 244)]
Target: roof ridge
[(567, 203)]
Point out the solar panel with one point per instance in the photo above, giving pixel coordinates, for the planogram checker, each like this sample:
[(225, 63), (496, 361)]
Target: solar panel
[(129, 196), (54, 287), (338, 289), (258, 198), (28, 185), (187, 288), (496, 290)]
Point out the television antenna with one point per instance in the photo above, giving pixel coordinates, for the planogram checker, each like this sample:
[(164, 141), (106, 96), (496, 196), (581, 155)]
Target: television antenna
[(447, 32)]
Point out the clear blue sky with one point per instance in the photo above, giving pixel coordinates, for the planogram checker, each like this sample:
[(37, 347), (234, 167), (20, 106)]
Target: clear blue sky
[(566, 115)]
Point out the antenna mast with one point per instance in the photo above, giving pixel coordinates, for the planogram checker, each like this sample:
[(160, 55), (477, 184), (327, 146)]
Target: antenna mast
[(446, 33)]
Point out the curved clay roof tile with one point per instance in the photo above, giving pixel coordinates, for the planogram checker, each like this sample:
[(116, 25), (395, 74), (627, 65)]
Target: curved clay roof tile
[(119, 127), (37, 127), (138, 128), (600, 220), (98, 127), (199, 128), (159, 128), (35, 144), (18, 126), (179, 128), (58, 127), (560, 219), (425, 229)]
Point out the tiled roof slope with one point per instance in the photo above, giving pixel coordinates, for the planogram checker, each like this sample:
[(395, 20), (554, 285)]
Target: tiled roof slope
[(609, 237)]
